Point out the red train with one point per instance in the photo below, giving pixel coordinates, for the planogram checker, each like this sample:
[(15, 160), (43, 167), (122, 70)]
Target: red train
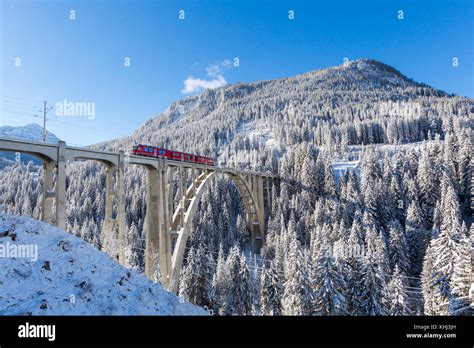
[(152, 151)]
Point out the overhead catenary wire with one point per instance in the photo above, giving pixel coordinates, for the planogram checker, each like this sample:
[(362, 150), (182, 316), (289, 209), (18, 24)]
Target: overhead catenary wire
[(9, 106), (20, 113)]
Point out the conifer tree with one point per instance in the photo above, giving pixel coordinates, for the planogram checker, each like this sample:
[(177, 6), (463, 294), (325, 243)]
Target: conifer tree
[(398, 296), (220, 282), (297, 298), (329, 286), (444, 252), (416, 238), (373, 296), (271, 291), (245, 289), (233, 300), (460, 282), (398, 249)]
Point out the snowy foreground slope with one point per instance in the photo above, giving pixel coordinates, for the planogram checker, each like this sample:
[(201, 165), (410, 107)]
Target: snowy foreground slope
[(67, 276)]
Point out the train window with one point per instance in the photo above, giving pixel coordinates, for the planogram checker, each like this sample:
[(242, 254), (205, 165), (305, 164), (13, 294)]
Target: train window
[(162, 152), (148, 149)]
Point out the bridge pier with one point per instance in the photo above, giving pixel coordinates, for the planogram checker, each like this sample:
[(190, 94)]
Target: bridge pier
[(261, 205), (170, 176), (48, 192), (118, 193), (268, 182), (164, 236), (158, 237), (257, 226), (61, 186), (152, 243)]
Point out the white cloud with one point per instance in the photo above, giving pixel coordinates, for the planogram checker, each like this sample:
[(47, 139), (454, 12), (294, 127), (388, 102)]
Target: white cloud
[(216, 78), (192, 84)]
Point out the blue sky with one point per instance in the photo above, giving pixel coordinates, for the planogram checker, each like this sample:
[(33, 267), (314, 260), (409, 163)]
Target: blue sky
[(82, 59)]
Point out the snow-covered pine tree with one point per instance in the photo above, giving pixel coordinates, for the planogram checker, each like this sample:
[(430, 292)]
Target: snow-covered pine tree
[(416, 238), (464, 158), (426, 283), (329, 180), (271, 291), (429, 187), (309, 178), (233, 299), (297, 297), (186, 283), (397, 294), (220, 282), (398, 248), (202, 274), (397, 198), (444, 251), (460, 283), (245, 289), (354, 262), (329, 286), (373, 297), (133, 245)]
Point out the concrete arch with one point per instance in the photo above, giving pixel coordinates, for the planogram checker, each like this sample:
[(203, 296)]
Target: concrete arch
[(247, 186), (197, 189), (193, 196)]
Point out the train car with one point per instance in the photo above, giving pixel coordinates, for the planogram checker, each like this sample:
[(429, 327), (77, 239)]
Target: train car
[(152, 151)]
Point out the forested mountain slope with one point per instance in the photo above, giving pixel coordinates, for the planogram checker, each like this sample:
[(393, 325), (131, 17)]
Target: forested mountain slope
[(361, 102)]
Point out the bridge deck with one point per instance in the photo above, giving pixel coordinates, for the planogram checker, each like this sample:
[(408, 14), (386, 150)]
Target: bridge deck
[(73, 153)]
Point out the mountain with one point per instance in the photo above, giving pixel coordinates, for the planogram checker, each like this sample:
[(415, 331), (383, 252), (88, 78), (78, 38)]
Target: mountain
[(29, 132), (67, 276), (355, 100)]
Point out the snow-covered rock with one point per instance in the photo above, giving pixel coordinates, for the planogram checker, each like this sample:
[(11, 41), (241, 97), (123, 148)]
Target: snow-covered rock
[(47, 271)]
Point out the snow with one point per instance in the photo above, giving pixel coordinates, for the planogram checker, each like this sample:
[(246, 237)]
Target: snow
[(374, 70), (340, 167), (361, 65), (391, 148), (185, 107), (71, 277), (262, 133)]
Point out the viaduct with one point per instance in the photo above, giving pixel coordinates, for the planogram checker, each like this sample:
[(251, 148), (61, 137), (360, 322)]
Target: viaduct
[(170, 211)]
